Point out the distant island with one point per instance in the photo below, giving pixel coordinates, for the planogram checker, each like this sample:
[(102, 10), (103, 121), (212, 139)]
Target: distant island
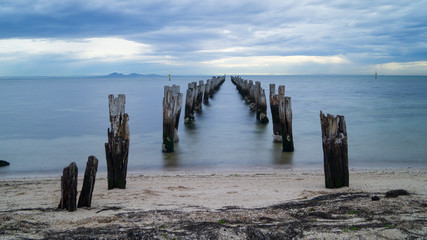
[(131, 75)]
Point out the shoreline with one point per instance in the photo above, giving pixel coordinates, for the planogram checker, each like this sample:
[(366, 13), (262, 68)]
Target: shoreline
[(240, 200), (194, 170)]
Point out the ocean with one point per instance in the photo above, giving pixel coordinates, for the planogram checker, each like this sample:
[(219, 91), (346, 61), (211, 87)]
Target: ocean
[(47, 123)]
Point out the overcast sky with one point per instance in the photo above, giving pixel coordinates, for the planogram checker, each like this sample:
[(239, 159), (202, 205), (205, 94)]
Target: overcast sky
[(89, 37)]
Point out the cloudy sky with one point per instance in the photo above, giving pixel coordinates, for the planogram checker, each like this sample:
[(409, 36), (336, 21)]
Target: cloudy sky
[(89, 37)]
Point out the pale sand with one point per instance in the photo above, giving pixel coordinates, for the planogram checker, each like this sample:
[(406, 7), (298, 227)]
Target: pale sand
[(34, 199)]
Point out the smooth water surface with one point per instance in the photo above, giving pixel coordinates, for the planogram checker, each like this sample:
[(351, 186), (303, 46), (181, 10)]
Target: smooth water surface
[(49, 122)]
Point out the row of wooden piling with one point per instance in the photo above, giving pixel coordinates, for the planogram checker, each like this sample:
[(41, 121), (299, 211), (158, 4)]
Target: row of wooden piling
[(253, 94), (198, 94), (334, 137)]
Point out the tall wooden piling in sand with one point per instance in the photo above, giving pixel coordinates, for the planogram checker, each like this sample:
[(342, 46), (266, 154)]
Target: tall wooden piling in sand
[(117, 148), (335, 150), (69, 188), (85, 198), (172, 102)]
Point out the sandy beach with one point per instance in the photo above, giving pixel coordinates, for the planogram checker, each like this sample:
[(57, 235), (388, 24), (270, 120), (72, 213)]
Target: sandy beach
[(223, 204)]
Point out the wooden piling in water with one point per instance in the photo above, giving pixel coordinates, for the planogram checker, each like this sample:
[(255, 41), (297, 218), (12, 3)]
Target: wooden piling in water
[(190, 96), (212, 85), (172, 102), (261, 104), (335, 150), (285, 116), (85, 198), (69, 188), (274, 108), (206, 92), (117, 148), (253, 94), (199, 96)]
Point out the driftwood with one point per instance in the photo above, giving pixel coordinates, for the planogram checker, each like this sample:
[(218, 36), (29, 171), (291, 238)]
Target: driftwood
[(69, 188), (253, 94), (117, 148), (172, 102), (85, 198), (335, 150)]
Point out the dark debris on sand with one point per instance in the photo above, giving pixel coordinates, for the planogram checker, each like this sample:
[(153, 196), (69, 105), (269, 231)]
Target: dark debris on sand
[(339, 215)]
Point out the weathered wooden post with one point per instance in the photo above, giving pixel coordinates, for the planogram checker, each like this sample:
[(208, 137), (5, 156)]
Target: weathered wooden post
[(85, 198), (117, 148), (207, 91), (274, 107), (189, 103), (261, 110), (335, 150), (199, 97), (172, 102), (69, 188), (178, 96), (285, 116)]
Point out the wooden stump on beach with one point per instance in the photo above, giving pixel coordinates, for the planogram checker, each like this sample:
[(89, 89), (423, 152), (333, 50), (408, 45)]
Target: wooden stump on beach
[(117, 148), (85, 198), (335, 150), (172, 102), (69, 188)]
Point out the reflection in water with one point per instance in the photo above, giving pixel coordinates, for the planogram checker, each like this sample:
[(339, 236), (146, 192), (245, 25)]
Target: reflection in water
[(279, 157)]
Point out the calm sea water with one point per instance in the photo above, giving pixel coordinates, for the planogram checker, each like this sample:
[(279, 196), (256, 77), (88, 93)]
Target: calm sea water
[(46, 123)]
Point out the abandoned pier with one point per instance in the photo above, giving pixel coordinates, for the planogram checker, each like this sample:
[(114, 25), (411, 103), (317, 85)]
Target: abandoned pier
[(333, 128)]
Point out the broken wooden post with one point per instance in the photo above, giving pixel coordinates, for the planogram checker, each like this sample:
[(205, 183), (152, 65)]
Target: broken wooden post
[(189, 103), (69, 188), (285, 117), (335, 150), (178, 96), (206, 92), (274, 107), (199, 97), (85, 198), (172, 102), (117, 148), (261, 104)]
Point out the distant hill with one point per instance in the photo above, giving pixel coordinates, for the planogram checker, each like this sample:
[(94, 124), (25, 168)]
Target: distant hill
[(121, 75)]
